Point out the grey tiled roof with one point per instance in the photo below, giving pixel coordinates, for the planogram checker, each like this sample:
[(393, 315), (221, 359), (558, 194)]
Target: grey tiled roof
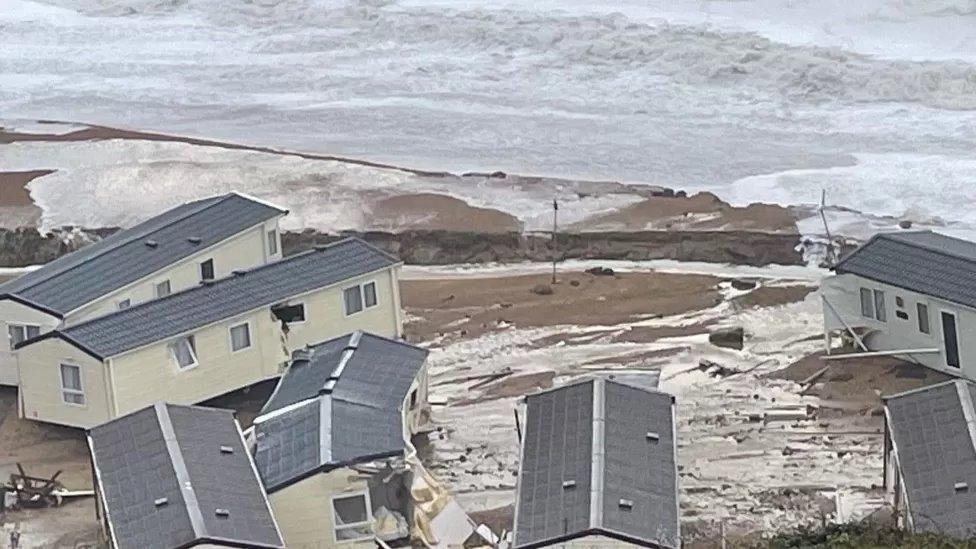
[(205, 304), (921, 261), (162, 452), (124, 257), (340, 403), (590, 467), (935, 450)]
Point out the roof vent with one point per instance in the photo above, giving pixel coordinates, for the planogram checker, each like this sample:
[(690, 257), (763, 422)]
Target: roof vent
[(625, 504), (160, 502), (226, 449), (567, 484), (222, 513), (961, 487), (151, 243), (653, 437), (194, 240)]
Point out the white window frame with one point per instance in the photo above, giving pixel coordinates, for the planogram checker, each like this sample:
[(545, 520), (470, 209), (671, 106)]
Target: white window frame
[(335, 522), (272, 238), (193, 353), (169, 288), (230, 336), (123, 304), (928, 318), (362, 296), (67, 390), (23, 327)]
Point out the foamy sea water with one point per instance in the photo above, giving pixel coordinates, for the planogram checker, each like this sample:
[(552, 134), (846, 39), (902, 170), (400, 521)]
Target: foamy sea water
[(757, 100)]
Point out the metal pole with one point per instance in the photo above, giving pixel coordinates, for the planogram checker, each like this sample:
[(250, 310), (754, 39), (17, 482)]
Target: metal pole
[(555, 243)]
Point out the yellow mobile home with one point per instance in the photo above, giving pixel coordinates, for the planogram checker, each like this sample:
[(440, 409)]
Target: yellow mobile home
[(217, 337), (175, 250)]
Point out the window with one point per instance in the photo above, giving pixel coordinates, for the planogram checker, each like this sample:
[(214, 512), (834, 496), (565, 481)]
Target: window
[(184, 352), (413, 399), (162, 289), (867, 303), (950, 339), (272, 242), (21, 332), (358, 297), (899, 302), (71, 390), (369, 294), (240, 337), (289, 314), (354, 300), (923, 318), (879, 306), (124, 304), (207, 270), (352, 517)]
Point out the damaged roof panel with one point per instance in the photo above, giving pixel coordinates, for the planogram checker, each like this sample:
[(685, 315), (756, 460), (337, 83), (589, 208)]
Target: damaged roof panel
[(935, 448), (165, 470), (598, 458), (339, 402), (205, 304), (132, 254)]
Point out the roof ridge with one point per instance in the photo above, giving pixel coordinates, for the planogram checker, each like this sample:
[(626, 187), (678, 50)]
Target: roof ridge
[(201, 286), (133, 237), (178, 461)]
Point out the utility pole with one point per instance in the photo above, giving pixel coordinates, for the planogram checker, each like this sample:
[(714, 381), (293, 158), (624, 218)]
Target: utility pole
[(830, 240), (555, 243)]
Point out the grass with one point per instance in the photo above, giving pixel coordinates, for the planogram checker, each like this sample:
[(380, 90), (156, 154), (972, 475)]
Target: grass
[(863, 535)]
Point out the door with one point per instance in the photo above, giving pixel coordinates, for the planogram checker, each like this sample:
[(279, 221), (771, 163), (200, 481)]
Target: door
[(950, 339)]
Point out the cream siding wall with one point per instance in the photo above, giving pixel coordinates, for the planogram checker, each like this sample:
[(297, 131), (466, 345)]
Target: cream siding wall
[(245, 250), (12, 312), (40, 389), (150, 374), (325, 316), (843, 292), (304, 509)]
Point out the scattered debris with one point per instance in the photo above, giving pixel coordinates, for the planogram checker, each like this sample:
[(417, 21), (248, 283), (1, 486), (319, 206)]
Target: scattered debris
[(600, 271), (714, 369), (34, 492), (731, 338)]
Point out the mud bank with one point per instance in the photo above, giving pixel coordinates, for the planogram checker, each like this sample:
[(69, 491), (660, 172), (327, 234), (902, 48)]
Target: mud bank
[(26, 246)]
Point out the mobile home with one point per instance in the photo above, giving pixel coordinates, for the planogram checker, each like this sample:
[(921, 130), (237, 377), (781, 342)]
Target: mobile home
[(214, 338), (175, 250)]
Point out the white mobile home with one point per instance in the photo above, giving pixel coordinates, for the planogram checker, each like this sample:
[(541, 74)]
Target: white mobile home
[(172, 477), (908, 294), (214, 338), (200, 240), (332, 443)]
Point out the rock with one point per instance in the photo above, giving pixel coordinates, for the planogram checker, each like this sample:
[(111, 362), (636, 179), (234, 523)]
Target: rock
[(905, 224), (600, 271), (741, 284), (574, 283), (542, 289), (681, 194), (731, 338)]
